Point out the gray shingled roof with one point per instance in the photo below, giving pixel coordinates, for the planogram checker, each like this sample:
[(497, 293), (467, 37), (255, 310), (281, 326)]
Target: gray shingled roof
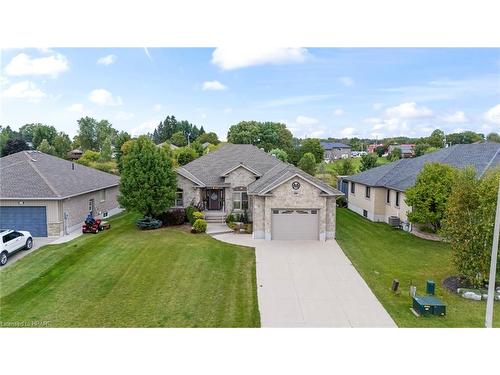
[(210, 168), (33, 174), (402, 174), (332, 145)]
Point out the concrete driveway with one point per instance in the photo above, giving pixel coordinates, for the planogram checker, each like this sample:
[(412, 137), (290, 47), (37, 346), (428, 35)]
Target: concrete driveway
[(310, 284)]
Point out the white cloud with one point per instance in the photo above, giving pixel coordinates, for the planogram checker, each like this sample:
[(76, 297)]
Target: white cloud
[(408, 110), (241, 57), (304, 120), (346, 81), (144, 128), (157, 107), (348, 132), (123, 116), (146, 51), (456, 118), (213, 86), (107, 60), (24, 90), (493, 115), (338, 112), (23, 65), (104, 97), (377, 106)]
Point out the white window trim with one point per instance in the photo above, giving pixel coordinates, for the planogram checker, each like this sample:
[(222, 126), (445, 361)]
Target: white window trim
[(240, 200), (102, 195), (181, 192), (91, 205)]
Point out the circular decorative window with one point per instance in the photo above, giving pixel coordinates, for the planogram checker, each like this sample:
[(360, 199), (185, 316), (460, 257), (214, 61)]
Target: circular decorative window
[(213, 196), (296, 185)]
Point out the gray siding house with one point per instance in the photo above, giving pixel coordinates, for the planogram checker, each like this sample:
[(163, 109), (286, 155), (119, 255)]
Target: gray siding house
[(379, 193), (49, 196), (335, 151), (284, 202)]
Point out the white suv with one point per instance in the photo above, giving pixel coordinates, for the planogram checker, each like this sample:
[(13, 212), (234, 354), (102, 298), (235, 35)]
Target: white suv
[(11, 241)]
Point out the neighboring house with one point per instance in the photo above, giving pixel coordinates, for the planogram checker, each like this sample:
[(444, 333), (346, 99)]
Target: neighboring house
[(49, 196), (407, 150), (283, 202), (75, 154), (172, 146), (371, 148), (334, 151), (379, 193)]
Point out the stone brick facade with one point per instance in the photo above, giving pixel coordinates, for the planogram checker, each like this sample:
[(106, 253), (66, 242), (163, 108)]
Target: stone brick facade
[(191, 193)]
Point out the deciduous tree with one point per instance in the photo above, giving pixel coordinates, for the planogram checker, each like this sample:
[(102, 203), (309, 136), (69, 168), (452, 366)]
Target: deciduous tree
[(148, 182), (308, 163), (368, 161)]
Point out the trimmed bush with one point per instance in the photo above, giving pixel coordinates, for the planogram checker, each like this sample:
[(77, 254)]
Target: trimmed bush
[(174, 216), (229, 218), (148, 223), (198, 215), (199, 226), (189, 214)]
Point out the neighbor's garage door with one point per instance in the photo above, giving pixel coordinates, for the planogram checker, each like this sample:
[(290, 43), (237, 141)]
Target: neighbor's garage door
[(32, 219), (294, 224)]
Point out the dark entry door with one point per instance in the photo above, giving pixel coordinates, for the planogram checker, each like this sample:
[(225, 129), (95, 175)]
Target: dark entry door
[(214, 197)]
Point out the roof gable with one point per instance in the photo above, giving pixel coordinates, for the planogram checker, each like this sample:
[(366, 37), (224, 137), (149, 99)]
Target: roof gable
[(241, 165)]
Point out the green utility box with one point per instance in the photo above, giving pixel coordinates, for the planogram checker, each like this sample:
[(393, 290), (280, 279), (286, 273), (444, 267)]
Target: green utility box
[(427, 305), (431, 287)]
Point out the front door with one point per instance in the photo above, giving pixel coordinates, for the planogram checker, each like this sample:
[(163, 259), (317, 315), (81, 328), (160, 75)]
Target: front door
[(214, 197)]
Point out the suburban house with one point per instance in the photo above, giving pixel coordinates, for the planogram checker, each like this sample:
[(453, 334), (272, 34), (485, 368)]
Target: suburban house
[(407, 150), (379, 193), (49, 196), (283, 202), (75, 154), (371, 148), (334, 151)]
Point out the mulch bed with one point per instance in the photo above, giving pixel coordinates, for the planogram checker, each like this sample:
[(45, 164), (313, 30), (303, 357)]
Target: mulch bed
[(452, 283)]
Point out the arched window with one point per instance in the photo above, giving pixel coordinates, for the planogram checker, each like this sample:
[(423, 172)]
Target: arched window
[(179, 198)]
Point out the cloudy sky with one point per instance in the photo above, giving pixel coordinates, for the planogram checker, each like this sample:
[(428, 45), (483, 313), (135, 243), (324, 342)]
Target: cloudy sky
[(316, 92)]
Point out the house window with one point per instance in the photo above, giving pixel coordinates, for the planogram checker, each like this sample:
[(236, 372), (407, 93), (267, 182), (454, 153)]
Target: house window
[(367, 192), (91, 205), (388, 197), (353, 188), (179, 198), (102, 195), (365, 213), (240, 200), (397, 198)]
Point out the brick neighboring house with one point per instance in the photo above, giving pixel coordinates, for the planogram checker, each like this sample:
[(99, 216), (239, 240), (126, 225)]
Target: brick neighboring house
[(407, 150), (283, 201), (335, 151), (371, 148), (379, 193), (49, 196)]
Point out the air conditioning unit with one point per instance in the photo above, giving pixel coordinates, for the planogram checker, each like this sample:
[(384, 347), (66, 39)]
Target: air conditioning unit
[(394, 221)]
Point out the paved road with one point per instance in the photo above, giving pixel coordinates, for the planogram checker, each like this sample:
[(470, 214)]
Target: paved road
[(310, 284)]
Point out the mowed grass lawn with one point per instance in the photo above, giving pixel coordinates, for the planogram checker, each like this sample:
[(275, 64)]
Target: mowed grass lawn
[(382, 254), (356, 162), (125, 277)]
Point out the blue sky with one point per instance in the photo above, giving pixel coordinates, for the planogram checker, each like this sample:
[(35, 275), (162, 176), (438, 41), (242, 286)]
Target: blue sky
[(316, 92)]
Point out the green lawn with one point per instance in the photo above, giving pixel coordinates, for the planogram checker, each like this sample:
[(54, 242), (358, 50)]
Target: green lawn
[(356, 163), (130, 278), (382, 254)]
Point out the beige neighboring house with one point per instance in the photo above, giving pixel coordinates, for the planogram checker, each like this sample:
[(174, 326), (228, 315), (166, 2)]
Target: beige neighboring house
[(379, 193), (49, 196), (283, 202)]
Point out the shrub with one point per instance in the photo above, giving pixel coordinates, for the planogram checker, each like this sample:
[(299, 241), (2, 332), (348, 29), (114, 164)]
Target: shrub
[(244, 217), (199, 226), (148, 223), (230, 218), (190, 214), (174, 216), (342, 201), (198, 215)]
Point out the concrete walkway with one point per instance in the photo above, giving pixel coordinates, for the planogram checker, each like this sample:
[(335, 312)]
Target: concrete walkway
[(310, 284), (217, 228)]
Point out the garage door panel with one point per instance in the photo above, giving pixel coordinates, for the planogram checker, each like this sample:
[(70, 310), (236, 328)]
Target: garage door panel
[(30, 218), (295, 224)]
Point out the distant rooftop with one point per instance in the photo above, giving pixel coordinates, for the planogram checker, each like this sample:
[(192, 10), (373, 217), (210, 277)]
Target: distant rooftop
[(332, 145), (402, 174)]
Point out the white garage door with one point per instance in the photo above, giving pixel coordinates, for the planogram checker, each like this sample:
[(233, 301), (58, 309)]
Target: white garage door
[(295, 224)]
